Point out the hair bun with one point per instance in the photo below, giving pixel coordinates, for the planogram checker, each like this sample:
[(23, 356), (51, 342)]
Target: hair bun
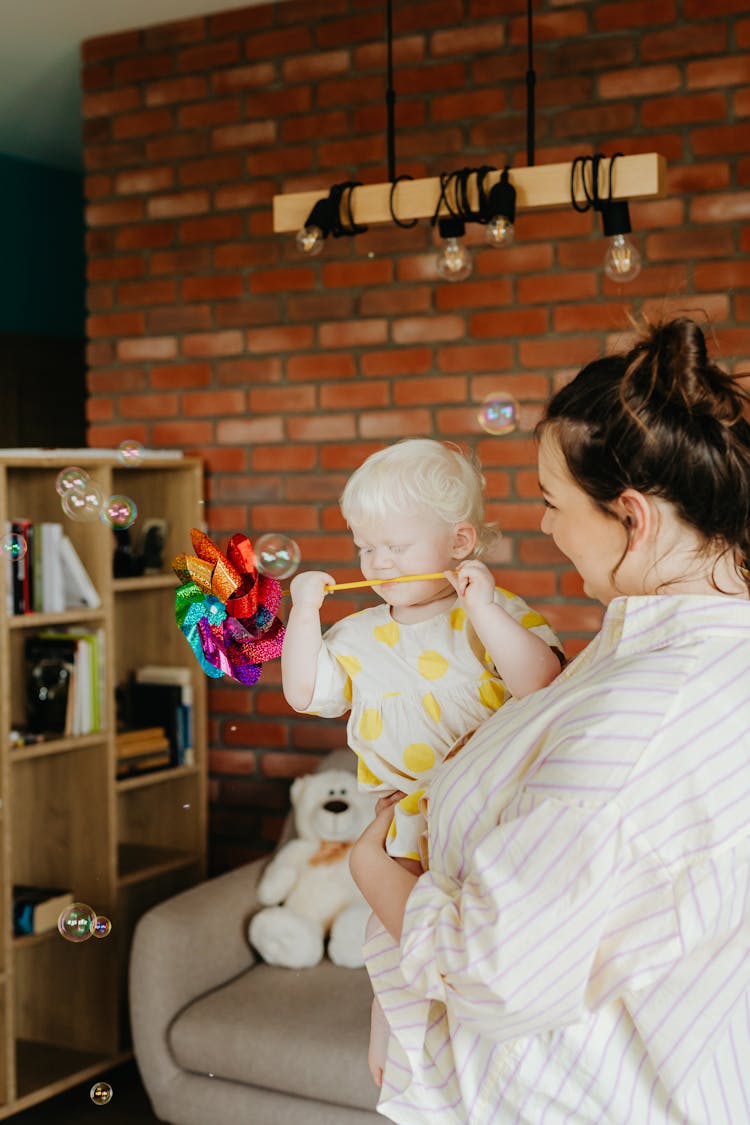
[(670, 366)]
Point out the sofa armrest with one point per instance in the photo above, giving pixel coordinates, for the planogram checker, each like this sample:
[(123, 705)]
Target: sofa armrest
[(183, 948)]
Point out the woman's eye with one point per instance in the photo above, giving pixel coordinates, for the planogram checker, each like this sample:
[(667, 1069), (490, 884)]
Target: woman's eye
[(547, 504)]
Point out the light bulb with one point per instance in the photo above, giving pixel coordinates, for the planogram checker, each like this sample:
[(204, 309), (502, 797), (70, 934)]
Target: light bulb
[(310, 241), (622, 262), (454, 261), (499, 231)]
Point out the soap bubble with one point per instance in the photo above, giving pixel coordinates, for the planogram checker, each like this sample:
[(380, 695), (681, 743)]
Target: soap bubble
[(14, 546), (276, 555), (101, 1093), (119, 512), (498, 413), (102, 926), (130, 453), (83, 503), (70, 478), (76, 922)]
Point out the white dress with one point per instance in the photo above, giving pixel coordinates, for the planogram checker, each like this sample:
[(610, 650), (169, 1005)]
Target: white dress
[(412, 691)]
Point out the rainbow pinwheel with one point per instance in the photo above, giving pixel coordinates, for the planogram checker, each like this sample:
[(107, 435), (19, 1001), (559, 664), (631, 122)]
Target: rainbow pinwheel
[(227, 609)]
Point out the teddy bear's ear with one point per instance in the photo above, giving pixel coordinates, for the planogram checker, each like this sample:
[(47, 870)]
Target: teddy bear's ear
[(298, 785)]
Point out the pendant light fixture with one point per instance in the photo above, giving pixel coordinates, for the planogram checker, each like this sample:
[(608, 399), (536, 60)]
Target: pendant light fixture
[(482, 195)]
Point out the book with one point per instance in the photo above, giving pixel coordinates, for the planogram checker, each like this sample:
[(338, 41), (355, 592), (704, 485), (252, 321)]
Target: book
[(51, 577), (144, 763), (78, 589), (64, 682), (36, 909), (153, 739), (175, 674), (22, 576)]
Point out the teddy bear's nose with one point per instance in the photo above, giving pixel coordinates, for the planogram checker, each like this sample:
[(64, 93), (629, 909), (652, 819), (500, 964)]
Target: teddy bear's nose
[(335, 806)]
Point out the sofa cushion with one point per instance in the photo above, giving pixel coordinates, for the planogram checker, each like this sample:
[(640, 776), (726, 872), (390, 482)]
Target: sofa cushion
[(301, 1032)]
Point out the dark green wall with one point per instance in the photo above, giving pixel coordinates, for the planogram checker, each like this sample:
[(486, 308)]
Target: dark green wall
[(42, 265)]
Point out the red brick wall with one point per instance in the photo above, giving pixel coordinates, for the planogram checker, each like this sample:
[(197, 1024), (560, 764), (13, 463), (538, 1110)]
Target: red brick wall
[(208, 332)]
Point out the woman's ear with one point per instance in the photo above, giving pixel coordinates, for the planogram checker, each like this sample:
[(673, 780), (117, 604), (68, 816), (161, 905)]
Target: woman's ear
[(464, 540), (638, 516)]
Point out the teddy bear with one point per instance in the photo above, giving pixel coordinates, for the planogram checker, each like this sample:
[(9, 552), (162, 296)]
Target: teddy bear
[(306, 889)]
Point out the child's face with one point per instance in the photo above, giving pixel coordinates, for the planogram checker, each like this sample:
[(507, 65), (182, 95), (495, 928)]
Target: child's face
[(407, 544)]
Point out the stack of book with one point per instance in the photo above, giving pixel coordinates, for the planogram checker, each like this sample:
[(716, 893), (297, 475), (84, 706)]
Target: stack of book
[(139, 751), (162, 695), (50, 576), (64, 682)]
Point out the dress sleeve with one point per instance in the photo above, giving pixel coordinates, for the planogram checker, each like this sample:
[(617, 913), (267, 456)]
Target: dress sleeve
[(510, 949), (332, 693), (530, 618)]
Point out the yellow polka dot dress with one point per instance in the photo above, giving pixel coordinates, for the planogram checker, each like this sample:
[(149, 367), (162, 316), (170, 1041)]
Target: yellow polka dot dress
[(412, 691)]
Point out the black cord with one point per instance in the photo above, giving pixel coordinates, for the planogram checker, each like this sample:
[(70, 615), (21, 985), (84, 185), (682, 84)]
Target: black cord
[(390, 99), (530, 90), (405, 223)]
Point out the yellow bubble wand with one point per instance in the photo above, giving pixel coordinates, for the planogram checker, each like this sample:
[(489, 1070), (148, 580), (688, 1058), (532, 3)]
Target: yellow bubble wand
[(381, 581)]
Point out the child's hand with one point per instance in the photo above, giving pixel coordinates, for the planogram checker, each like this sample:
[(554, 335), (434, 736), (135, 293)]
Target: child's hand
[(308, 590), (474, 584)]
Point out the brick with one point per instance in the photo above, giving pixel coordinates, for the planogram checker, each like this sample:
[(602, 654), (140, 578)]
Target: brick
[(119, 380), (110, 436), (554, 288), (115, 324), (176, 146), (212, 344), (180, 375), (299, 517), (184, 435), (186, 259), (109, 269), (142, 181), (211, 170), (145, 236), (178, 204), (711, 307), (292, 278), (725, 207), (187, 88), (147, 348), (236, 255), (99, 410), (638, 83), (320, 306), (397, 362), (300, 368), (413, 329), (475, 357), (209, 56), (175, 32), (142, 124), (322, 428), (287, 459), (513, 322), (690, 178), (707, 243), (179, 318), (248, 431), (688, 107), (208, 113), (230, 372), (154, 292), (589, 318), (240, 314), (356, 273), (435, 390), (407, 50), (277, 43), (681, 41), (112, 214), (253, 733), (108, 103), (633, 14), (353, 333), (290, 338), (231, 197), (213, 403), (216, 287), (213, 228), (281, 400), (394, 423), (322, 64), (721, 275), (243, 78), (149, 406), (110, 46), (360, 396), (570, 352), (465, 41), (251, 134), (551, 25)]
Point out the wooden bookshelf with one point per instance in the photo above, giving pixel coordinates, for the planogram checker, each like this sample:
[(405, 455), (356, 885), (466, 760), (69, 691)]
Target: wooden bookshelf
[(65, 819)]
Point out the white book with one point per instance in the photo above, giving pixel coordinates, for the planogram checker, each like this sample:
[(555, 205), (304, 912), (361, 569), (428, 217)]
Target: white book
[(53, 594), (78, 588)]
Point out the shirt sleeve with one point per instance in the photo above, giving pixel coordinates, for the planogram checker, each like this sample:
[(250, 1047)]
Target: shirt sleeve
[(510, 949)]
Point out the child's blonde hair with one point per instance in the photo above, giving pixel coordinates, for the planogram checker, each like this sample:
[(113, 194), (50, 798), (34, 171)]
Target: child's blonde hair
[(415, 474)]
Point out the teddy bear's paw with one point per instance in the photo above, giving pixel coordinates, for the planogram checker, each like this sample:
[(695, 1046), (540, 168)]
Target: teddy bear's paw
[(286, 939), (348, 936)]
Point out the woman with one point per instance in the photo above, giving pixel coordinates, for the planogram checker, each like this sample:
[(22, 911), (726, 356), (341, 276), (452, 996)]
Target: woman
[(579, 950)]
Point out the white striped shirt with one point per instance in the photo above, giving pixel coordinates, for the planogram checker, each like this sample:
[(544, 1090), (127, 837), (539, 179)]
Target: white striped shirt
[(579, 950)]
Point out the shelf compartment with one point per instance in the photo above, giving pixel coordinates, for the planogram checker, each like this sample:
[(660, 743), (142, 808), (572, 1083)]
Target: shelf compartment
[(57, 746), (140, 862), (46, 1069), (46, 620), (61, 832), (77, 1009), (167, 580)]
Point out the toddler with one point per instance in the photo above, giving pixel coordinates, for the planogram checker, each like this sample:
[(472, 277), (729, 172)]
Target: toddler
[(424, 668)]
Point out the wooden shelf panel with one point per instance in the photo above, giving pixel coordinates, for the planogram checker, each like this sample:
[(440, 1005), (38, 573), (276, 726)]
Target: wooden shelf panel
[(58, 746), (145, 582), (46, 1069), (138, 862), (43, 620), (25, 942), (158, 777)]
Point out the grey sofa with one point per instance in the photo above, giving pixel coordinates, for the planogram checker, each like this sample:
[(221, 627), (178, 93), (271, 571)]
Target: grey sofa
[(222, 1039)]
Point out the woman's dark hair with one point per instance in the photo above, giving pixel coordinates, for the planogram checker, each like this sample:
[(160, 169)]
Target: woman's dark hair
[(665, 420)]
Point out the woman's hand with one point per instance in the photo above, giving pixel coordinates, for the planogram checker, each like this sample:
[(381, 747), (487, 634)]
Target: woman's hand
[(384, 884)]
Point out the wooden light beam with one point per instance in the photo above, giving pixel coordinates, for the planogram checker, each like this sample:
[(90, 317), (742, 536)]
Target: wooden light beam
[(544, 185)]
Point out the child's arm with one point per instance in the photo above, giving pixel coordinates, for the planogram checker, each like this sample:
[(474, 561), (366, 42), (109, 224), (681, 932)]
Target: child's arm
[(384, 882), (524, 661), (303, 638)]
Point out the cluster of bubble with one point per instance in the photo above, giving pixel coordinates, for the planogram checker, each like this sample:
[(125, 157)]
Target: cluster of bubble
[(82, 499), (14, 546), (78, 922), (498, 413)]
